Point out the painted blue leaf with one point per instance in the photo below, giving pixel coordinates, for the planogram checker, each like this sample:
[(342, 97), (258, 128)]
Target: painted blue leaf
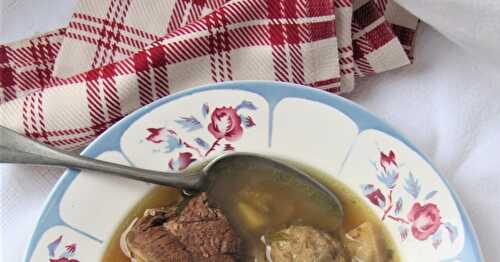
[(201, 143), (246, 105), (204, 110), (189, 123), (388, 178), (399, 206), (173, 142), (53, 246), (452, 231), (436, 239), (412, 186), (430, 194)]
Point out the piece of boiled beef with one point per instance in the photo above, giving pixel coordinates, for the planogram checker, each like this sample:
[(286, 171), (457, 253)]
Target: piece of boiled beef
[(196, 233)]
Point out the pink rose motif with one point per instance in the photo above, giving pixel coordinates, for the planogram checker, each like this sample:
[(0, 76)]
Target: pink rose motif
[(426, 220), (388, 160), (225, 124)]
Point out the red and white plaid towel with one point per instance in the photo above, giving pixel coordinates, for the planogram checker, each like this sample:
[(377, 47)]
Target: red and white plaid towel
[(66, 87)]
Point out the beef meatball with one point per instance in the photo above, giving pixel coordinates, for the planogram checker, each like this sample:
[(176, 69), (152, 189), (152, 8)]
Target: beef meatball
[(303, 243)]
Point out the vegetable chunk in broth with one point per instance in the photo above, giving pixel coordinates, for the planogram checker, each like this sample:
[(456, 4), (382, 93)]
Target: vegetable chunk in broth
[(263, 208)]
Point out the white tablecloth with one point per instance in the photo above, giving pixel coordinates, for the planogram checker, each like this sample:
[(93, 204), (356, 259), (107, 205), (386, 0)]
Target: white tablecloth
[(446, 103)]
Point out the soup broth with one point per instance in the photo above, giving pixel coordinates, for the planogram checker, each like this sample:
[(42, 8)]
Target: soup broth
[(160, 196), (256, 207)]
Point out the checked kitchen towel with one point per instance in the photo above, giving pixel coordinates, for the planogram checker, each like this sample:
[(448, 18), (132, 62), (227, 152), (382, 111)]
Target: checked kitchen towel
[(67, 86)]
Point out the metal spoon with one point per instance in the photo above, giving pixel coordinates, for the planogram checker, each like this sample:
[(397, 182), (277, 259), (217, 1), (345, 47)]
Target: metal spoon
[(18, 149)]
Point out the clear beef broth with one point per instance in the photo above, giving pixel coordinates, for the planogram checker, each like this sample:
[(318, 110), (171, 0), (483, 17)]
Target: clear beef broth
[(158, 197), (258, 201), (257, 204)]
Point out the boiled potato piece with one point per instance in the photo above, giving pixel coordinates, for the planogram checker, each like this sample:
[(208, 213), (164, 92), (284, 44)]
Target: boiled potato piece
[(364, 243)]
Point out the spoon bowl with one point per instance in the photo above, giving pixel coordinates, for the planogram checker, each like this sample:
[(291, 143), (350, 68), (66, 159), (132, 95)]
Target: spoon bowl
[(230, 177)]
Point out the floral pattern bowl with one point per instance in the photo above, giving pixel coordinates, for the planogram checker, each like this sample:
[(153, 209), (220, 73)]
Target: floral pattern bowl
[(419, 209)]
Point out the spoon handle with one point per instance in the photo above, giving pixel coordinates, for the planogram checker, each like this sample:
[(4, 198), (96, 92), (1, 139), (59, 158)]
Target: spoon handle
[(15, 148)]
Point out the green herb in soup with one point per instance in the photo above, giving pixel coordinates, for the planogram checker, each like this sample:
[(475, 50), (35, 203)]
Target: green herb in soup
[(253, 218)]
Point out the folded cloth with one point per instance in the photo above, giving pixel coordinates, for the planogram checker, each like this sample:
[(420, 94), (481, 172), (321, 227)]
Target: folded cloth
[(66, 87)]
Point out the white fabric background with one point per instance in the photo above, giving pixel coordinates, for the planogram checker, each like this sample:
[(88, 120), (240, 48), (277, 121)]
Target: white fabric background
[(472, 24), (446, 103)]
